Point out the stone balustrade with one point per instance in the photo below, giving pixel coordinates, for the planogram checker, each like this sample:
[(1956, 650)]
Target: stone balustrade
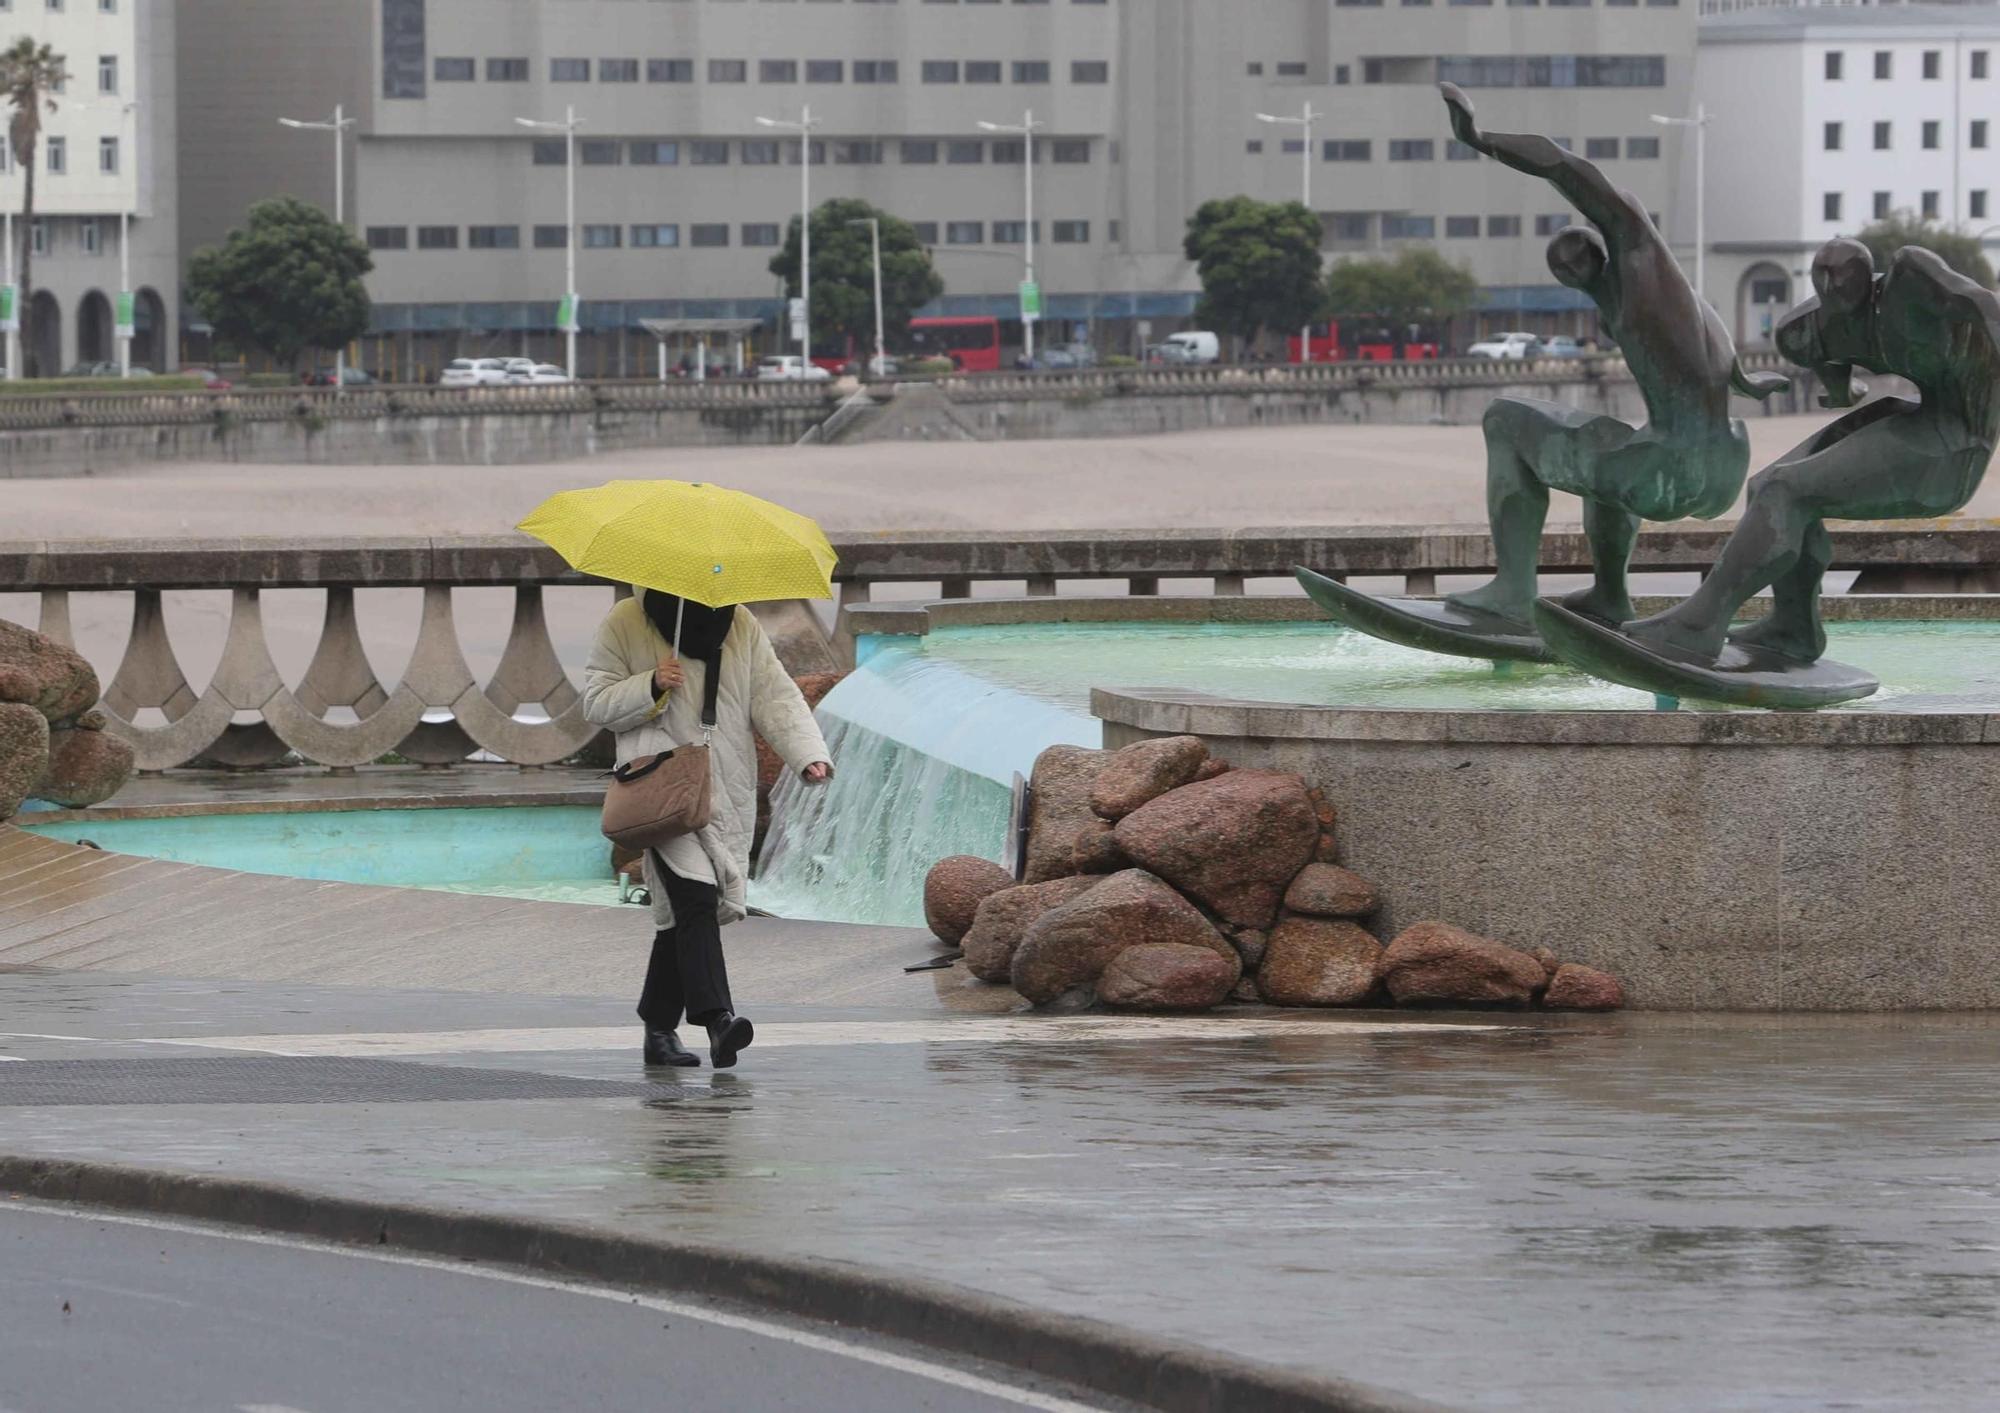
[(439, 713)]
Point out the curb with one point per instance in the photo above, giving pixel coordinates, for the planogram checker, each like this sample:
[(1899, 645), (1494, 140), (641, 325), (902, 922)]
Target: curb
[(1085, 1353)]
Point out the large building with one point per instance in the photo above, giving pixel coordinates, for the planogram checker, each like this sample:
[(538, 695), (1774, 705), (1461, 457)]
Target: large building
[(107, 151), (1144, 109), (1823, 119)]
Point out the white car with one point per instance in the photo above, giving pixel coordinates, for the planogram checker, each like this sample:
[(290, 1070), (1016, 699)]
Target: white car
[(789, 368), (520, 370), (473, 373), (1197, 346), (545, 373), (1507, 345)]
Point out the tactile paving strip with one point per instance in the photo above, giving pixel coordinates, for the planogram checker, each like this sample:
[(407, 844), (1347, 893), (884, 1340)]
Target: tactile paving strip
[(284, 1079)]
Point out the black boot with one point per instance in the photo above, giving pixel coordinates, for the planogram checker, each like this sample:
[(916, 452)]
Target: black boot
[(726, 1035), (663, 1047)]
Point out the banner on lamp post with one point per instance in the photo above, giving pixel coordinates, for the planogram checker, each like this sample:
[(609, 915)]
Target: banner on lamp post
[(1031, 301), (567, 311), (123, 324), (797, 312), (10, 309)]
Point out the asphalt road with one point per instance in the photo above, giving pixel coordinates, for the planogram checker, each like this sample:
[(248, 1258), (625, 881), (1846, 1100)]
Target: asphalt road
[(112, 1314)]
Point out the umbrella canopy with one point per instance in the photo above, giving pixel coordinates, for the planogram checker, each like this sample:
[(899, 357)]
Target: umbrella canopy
[(703, 542)]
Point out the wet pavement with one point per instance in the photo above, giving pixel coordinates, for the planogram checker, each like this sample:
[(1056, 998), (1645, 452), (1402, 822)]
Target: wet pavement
[(1494, 1211)]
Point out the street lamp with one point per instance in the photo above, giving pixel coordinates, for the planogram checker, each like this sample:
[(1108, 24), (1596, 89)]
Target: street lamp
[(874, 225), (570, 302), (1699, 122), (338, 125), (803, 126), (125, 307), (1026, 128), (1304, 122)]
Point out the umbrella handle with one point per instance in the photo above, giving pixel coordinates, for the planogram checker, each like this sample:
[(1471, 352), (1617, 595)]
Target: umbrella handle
[(680, 612)]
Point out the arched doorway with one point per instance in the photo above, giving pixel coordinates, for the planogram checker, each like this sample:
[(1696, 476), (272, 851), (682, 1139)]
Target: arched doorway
[(93, 330), (41, 340), (149, 330), (1762, 296)]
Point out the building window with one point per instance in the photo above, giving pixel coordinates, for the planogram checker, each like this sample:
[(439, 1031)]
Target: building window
[(982, 71), (777, 71), (453, 70), (656, 237), (1347, 149), (670, 71), (1829, 206), (388, 237), (598, 152), (1932, 62), (38, 237), (1456, 151), (728, 71), (1646, 149), (550, 152), (506, 70), (1460, 227), (493, 237), (1882, 63), (1928, 205), (107, 156), (107, 73), (551, 237), (818, 153), (1292, 70), (1346, 227), (1503, 225), (1831, 138), (57, 160), (1526, 70), (1010, 151), (1976, 136), (965, 152), (875, 71), (601, 237), (90, 231), (964, 232), (1881, 205), (1031, 71), (940, 71), (1979, 63), (708, 152), (617, 70), (1013, 232), (1977, 207), (1881, 137), (1930, 136), (437, 237), (918, 151), (654, 154), (760, 152), (1089, 71), (569, 71), (107, 7), (927, 232), (1598, 149), (825, 70), (856, 152), (1408, 227), (1411, 149), (1293, 146), (1071, 232), (1550, 224), (1254, 69), (1069, 150), (1833, 63), (761, 233)]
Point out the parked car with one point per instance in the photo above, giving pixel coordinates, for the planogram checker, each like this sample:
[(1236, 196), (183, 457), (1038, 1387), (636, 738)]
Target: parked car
[(1199, 346), (349, 378), (98, 369), (210, 379), (544, 373), (1507, 345), (1562, 346), (880, 365), (473, 373), (789, 368), (1163, 353), (1049, 360)]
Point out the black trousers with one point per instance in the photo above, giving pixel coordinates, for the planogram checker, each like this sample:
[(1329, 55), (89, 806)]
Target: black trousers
[(686, 975)]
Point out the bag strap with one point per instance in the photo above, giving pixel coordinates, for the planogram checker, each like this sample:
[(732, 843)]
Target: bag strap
[(711, 685)]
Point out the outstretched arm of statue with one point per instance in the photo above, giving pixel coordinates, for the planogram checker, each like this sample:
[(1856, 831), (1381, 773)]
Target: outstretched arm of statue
[(1594, 197)]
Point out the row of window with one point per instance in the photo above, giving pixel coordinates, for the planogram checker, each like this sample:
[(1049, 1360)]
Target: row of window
[(1929, 135), (1931, 62), (1349, 227), (1497, 71), (1881, 205), (460, 69), (55, 156), (772, 152), (700, 235), (1424, 149), (110, 7)]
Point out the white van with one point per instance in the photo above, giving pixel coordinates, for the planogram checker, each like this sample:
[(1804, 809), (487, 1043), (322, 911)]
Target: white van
[(1197, 347)]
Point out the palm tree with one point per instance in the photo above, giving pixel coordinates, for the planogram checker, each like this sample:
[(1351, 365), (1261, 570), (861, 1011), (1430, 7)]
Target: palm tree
[(31, 75)]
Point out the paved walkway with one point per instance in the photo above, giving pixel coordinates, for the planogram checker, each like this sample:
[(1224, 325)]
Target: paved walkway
[(1494, 1211)]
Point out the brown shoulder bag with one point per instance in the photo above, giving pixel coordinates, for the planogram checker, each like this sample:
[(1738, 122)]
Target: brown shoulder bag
[(652, 799)]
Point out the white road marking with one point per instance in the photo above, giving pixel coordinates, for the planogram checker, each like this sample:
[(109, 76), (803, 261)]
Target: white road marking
[(979, 1030), (746, 1324)]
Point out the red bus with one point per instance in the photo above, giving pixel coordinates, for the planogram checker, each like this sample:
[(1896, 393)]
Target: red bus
[(1323, 348), (973, 342), (1372, 342)]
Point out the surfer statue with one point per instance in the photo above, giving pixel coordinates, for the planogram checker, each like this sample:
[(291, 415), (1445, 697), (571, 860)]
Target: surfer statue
[(1886, 459), (1688, 459)]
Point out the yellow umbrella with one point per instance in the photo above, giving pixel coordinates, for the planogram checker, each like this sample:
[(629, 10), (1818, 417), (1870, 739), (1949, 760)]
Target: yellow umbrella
[(704, 542)]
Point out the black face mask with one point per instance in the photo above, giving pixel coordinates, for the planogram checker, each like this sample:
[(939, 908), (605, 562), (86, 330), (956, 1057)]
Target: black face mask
[(702, 629)]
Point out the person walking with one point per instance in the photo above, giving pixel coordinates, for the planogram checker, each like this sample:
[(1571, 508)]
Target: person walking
[(645, 681)]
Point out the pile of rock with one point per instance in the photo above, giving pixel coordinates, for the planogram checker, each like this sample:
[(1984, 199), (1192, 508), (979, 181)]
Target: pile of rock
[(53, 745), (1158, 878)]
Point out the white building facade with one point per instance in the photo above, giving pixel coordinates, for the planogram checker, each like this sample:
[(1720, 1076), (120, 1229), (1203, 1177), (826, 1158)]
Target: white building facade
[(1825, 119)]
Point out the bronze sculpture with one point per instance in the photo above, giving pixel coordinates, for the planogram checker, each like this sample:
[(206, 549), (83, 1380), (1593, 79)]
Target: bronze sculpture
[(1689, 459)]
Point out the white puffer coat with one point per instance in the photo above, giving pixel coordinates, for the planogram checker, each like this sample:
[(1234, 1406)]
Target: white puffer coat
[(756, 692)]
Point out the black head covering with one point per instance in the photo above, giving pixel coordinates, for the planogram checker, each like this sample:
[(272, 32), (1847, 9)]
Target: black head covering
[(702, 628)]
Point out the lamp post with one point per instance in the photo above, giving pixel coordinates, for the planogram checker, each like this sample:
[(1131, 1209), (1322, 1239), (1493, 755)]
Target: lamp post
[(571, 303), (1026, 128), (1304, 122), (803, 126), (1699, 122), (874, 225), (338, 125), (125, 306)]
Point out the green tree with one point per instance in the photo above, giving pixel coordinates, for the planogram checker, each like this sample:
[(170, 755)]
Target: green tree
[(1956, 248), (31, 75), (843, 272), (1415, 286), (1259, 263), (288, 281)]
